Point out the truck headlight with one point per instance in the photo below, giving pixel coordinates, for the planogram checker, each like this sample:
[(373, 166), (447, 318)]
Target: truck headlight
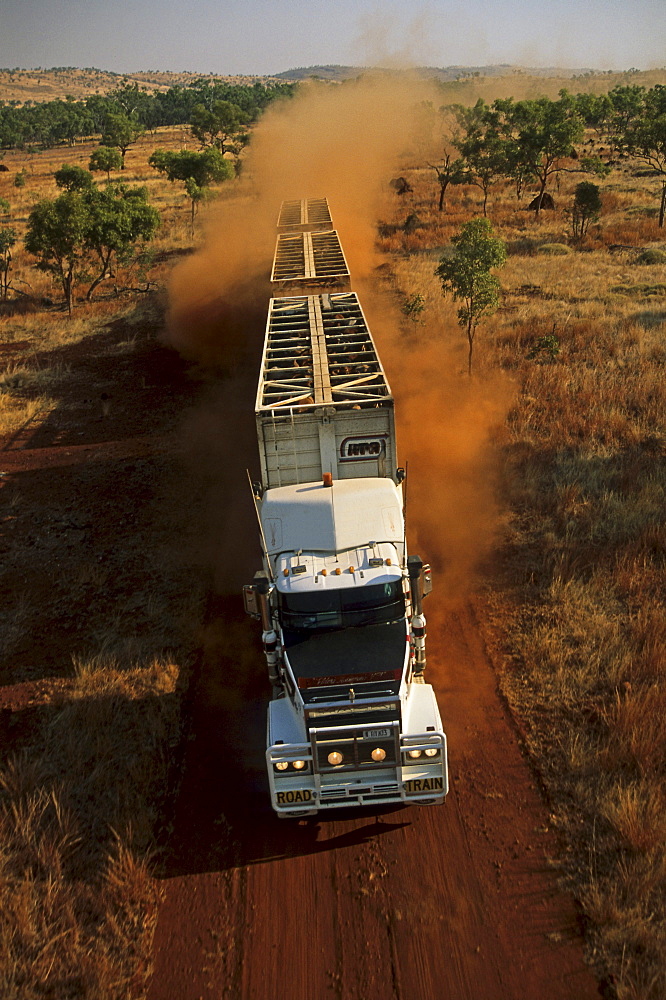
[(378, 754), (432, 752), (299, 764), (282, 765), (335, 758), (414, 753)]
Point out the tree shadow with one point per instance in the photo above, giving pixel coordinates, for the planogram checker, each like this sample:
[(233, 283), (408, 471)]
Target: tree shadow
[(90, 500)]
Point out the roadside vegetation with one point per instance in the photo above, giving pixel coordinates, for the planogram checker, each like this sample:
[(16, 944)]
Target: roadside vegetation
[(219, 111), (96, 637), (98, 631), (575, 600)]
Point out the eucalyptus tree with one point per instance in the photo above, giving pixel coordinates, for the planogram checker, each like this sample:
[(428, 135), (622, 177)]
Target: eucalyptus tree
[(466, 275)]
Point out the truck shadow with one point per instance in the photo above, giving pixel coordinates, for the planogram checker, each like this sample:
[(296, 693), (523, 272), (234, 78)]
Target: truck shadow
[(222, 817)]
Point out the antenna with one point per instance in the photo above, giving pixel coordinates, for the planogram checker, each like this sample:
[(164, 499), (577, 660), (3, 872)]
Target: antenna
[(261, 527)]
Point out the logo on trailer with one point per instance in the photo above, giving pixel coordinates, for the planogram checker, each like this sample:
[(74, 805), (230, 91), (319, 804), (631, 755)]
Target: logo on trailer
[(362, 449)]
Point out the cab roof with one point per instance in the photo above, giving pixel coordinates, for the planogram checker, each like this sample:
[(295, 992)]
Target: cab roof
[(311, 517)]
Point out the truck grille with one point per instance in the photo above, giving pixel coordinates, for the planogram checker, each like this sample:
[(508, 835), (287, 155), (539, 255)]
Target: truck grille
[(356, 745)]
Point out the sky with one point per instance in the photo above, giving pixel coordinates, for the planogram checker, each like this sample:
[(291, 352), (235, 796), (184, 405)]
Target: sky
[(260, 37)]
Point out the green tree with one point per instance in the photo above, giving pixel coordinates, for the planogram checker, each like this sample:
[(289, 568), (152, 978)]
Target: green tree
[(586, 207), (56, 236), (197, 171), (5, 207), (222, 126), (105, 158), (542, 135), (482, 147), (466, 275), (121, 132), (73, 178), (120, 224), (643, 135), (625, 106), (448, 172), (131, 100), (8, 238)]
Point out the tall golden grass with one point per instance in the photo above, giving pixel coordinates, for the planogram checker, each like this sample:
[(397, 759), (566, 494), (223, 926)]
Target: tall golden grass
[(577, 591), (94, 642), (77, 820)]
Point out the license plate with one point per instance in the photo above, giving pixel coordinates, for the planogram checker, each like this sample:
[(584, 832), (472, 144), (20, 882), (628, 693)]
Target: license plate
[(376, 734), (424, 785), (293, 796)]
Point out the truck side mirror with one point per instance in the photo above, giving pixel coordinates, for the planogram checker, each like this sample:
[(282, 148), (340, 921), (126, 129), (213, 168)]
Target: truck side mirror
[(254, 592), (250, 601)]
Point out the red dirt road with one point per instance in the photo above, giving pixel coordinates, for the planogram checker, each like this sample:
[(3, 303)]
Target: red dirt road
[(456, 901)]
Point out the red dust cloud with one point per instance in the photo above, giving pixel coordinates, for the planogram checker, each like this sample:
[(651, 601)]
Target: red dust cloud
[(345, 143)]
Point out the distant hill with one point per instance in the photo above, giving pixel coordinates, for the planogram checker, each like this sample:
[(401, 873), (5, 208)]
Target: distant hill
[(60, 82), (444, 73)]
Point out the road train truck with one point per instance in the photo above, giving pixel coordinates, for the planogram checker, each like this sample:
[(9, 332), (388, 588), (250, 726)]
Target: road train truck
[(351, 720)]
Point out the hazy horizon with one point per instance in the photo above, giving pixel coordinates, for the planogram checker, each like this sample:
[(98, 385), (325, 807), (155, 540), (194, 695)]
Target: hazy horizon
[(263, 38)]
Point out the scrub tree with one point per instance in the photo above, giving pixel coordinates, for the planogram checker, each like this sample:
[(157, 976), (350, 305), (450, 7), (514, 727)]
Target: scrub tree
[(466, 275), (222, 126), (642, 134), (586, 208), (73, 178), (482, 146), (197, 171), (120, 224), (7, 241), (105, 158), (56, 236), (121, 132)]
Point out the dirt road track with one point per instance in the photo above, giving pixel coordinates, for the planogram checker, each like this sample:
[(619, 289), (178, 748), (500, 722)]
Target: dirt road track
[(457, 901)]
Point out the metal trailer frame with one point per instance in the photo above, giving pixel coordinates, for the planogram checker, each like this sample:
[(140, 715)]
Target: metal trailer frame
[(309, 262), (323, 401), (307, 214), (318, 351)]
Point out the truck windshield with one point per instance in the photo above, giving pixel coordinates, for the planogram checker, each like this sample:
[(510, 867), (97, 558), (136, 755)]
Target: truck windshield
[(333, 609)]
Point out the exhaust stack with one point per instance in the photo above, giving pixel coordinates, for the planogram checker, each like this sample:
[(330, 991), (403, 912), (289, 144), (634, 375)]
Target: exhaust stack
[(415, 569), (256, 597)]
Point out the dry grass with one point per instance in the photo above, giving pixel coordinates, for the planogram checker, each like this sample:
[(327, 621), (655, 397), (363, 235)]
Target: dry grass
[(98, 634), (579, 590), (78, 903)]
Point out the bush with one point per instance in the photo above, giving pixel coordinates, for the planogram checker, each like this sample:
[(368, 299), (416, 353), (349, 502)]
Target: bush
[(586, 208), (545, 348), (651, 256), (554, 249)]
